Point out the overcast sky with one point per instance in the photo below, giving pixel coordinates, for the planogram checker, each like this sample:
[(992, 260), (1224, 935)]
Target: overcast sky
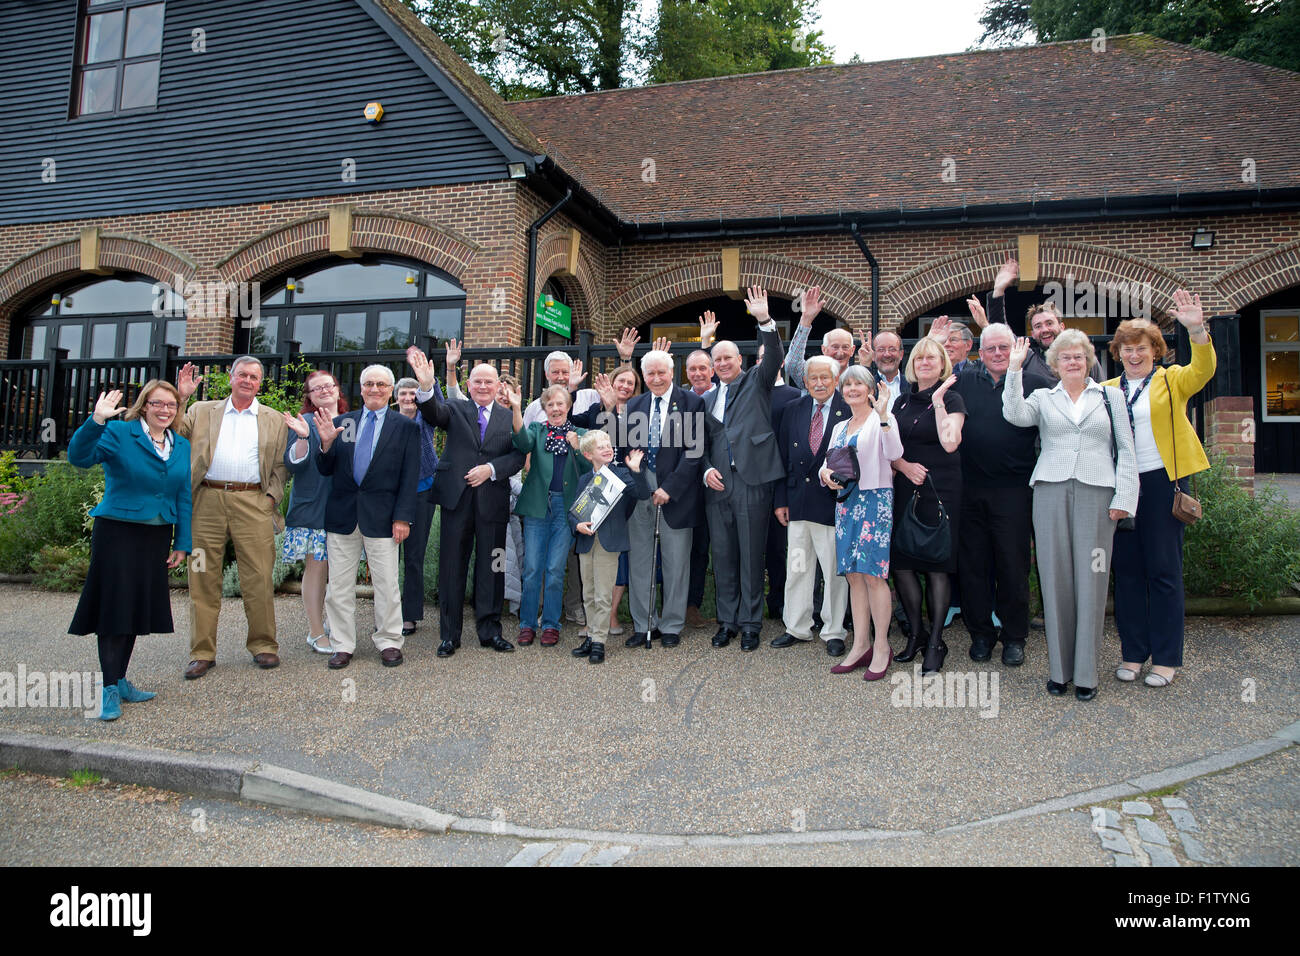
[(893, 29)]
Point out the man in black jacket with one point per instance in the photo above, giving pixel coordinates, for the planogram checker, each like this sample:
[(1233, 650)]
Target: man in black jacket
[(472, 483)]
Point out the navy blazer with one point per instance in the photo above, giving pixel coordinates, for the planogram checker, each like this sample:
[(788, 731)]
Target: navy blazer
[(138, 484), (388, 488), (783, 396), (681, 450), (463, 450), (802, 491), (613, 530), (310, 491)]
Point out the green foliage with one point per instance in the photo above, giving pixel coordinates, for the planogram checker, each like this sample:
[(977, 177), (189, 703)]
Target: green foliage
[(62, 567), (725, 37), (284, 395), (54, 514), (1265, 32), (1244, 546), (84, 778)]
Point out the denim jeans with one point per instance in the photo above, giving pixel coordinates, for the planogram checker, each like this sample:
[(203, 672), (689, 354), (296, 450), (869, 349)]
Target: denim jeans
[(547, 542)]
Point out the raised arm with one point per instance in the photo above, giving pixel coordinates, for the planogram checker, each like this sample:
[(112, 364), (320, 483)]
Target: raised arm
[(1017, 409)]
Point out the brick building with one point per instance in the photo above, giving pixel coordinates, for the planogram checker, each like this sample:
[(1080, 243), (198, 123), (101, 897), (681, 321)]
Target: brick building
[(146, 145)]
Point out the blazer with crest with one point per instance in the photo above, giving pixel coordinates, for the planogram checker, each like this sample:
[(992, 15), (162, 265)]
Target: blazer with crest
[(802, 491)]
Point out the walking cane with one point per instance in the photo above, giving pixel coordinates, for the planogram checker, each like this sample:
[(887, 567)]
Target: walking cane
[(654, 582)]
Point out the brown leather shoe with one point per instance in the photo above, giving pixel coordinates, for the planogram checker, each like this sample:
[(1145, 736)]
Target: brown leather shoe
[(198, 669), (339, 660), (266, 661), (390, 656)]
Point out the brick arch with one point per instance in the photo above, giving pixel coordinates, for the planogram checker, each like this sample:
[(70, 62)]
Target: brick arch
[(303, 240), (51, 265), (671, 287), (972, 270), (582, 289), (1258, 276)]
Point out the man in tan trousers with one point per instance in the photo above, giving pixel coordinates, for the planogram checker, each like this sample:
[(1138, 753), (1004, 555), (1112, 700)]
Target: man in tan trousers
[(238, 474)]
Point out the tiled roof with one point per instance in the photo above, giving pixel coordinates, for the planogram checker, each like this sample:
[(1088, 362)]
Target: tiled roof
[(1055, 121)]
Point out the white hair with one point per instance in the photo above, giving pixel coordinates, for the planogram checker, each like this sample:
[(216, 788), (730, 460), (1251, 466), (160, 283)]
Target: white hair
[(826, 339), (658, 355), (998, 329), (387, 372), (818, 361), (558, 356)]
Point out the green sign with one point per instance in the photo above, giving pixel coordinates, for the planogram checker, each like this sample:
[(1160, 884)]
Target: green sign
[(556, 317)]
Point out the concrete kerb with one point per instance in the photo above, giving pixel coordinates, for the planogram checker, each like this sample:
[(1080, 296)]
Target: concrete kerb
[(251, 781)]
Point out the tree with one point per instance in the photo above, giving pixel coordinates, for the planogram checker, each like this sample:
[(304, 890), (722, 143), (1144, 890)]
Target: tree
[(1266, 31), (694, 39)]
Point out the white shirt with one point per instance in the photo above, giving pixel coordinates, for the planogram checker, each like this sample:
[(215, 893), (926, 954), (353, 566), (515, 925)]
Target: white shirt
[(1144, 438), (895, 387), (1076, 408), (235, 457), (720, 406), (165, 452)]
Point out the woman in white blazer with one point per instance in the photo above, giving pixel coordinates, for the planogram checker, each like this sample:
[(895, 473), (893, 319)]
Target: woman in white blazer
[(1085, 482)]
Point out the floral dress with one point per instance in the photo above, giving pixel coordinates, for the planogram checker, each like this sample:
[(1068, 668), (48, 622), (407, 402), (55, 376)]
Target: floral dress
[(864, 523)]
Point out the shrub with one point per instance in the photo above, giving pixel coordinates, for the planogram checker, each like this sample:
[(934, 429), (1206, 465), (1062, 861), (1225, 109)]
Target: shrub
[(1244, 546), (62, 567), (54, 514)]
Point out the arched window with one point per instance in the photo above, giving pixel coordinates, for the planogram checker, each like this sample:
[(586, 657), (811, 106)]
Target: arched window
[(123, 316), (375, 303)]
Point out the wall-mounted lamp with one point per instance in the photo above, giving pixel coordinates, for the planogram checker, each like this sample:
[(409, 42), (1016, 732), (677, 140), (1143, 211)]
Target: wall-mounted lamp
[(1202, 238), (410, 278), (55, 299), (517, 170), (550, 301), (291, 285)]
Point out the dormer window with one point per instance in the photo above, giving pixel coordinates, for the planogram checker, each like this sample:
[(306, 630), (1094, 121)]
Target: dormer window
[(119, 51)]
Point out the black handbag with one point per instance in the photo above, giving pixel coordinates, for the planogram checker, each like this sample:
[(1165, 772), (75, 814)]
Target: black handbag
[(1129, 523), (918, 540), (845, 471)]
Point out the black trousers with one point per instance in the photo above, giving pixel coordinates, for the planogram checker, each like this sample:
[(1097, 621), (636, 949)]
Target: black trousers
[(115, 656), (1148, 563), (413, 551), (994, 535), (462, 530), (699, 565), (777, 536)]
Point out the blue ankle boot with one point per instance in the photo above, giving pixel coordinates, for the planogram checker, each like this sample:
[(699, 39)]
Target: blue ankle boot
[(132, 694), (110, 703)]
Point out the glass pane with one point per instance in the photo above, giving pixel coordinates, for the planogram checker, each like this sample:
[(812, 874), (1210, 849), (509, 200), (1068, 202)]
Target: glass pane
[(1281, 328), (103, 37), (445, 323), (34, 342), (175, 334), (103, 340), (394, 330), (264, 337), (137, 338), (350, 331), (140, 85), (112, 295), (278, 297), (356, 281), (438, 286), (144, 30), (70, 339), (309, 330), (1282, 382), (98, 91)]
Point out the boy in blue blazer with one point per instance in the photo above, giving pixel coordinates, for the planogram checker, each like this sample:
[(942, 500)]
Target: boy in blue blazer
[(598, 550)]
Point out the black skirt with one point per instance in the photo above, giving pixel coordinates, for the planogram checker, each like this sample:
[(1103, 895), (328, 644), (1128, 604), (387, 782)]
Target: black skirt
[(126, 590)]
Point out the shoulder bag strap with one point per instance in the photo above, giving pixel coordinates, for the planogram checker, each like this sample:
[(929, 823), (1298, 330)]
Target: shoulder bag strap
[(1173, 435), (1114, 443)]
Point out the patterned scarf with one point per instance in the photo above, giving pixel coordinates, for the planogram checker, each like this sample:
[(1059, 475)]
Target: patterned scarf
[(556, 442)]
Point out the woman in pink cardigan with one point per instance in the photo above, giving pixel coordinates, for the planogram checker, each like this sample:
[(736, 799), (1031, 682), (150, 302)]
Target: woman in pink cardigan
[(864, 519)]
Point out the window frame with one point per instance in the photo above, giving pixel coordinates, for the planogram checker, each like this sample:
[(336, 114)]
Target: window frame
[(1265, 349), (118, 64)]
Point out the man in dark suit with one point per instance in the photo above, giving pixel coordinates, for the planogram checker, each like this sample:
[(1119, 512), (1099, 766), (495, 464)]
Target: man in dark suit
[(473, 487), (667, 423), (807, 509), (743, 461), (373, 455), (783, 396)]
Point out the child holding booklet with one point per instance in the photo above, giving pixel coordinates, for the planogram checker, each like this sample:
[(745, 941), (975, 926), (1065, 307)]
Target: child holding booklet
[(599, 548)]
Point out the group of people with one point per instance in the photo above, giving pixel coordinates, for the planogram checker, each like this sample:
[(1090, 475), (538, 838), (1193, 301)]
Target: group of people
[(808, 490)]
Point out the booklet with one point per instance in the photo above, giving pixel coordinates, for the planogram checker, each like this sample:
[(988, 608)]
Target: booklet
[(598, 499)]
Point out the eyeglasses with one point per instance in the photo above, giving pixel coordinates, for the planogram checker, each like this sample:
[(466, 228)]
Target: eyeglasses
[(380, 385), (317, 389), (163, 406), (995, 348)]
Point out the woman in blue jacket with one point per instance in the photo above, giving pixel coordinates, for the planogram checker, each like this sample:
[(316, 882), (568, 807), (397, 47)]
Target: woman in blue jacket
[(144, 515)]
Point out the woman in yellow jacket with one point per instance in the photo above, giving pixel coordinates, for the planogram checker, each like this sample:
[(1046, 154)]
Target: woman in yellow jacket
[(1148, 560)]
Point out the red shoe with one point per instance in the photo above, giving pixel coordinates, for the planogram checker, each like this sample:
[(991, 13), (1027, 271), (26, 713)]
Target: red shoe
[(862, 661), (526, 635), (550, 637), (873, 675)]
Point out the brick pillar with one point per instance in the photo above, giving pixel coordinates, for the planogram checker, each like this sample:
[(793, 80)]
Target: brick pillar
[(1230, 432)]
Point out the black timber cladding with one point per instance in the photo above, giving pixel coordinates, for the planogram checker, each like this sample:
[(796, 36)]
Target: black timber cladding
[(268, 111)]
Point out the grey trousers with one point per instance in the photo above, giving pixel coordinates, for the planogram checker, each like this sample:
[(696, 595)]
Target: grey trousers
[(675, 559), (1073, 534), (738, 540)]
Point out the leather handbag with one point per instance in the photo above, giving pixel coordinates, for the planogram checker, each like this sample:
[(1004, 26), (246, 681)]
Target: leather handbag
[(1186, 508), (918, 540), (843, 463), (1129, 523)]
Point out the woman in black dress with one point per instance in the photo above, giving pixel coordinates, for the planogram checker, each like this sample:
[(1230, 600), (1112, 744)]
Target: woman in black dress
[(930, 420)]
